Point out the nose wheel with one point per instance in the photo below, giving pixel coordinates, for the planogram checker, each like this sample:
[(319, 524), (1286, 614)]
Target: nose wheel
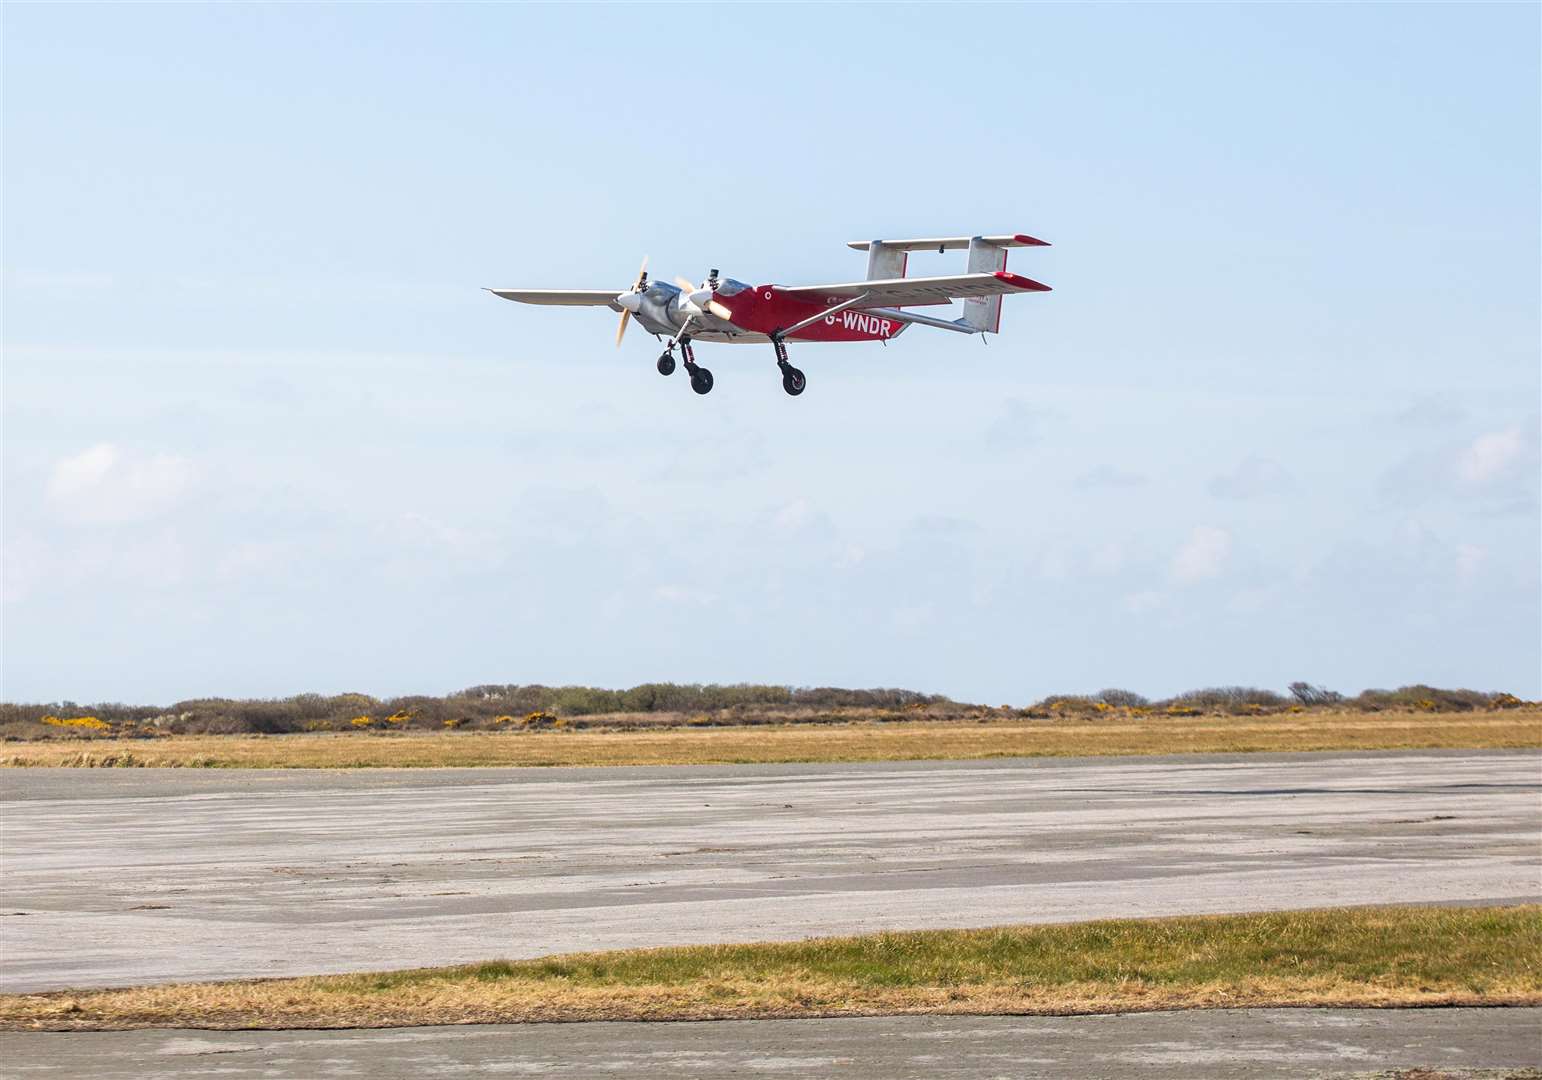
[(792, 379)]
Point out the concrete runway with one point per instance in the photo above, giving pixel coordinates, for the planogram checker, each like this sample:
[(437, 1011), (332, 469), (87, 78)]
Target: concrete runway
[(115, 877), (1207, 1045)]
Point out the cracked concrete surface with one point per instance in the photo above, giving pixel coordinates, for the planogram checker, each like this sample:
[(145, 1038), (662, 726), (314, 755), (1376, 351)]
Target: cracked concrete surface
[(1216, 1044), (116, 877)]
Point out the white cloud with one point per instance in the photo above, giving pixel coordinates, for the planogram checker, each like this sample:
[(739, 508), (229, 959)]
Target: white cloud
[(1255, 477), (252, 558), (1489, 457), (1203, 554), (1140, 602), (683, 596), (104, 483), (1019, 427), (1108, 476), (909, 620), (1106, 560), (1469, 560), (794, 515)]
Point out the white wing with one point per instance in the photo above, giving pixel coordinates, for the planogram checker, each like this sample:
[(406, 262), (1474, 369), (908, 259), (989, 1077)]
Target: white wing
[(562, 297)]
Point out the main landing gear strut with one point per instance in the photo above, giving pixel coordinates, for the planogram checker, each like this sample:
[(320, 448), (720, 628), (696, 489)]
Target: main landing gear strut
[(792, 379), (701, 378)]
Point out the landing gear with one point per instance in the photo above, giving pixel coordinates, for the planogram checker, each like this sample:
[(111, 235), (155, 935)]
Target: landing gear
[(701, 378), (792, 379), (666, 364)]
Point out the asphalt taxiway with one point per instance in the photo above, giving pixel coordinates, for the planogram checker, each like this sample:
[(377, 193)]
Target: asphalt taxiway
[(116, 877), (1217, 1044)]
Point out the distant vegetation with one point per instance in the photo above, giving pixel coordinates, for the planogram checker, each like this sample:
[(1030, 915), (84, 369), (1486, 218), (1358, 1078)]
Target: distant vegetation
[(513, 707)]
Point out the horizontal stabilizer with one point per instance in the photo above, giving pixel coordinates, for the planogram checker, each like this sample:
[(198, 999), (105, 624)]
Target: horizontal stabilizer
[(949, 243)]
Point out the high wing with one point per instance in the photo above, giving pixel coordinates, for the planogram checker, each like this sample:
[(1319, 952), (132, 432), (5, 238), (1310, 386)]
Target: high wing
[(906, 292), (563, 297)]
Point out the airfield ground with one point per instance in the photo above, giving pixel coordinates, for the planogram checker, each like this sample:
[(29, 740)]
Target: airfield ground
[(1207, 1044), (120, 877), (1367, 957), (899, 740), (151, 877)]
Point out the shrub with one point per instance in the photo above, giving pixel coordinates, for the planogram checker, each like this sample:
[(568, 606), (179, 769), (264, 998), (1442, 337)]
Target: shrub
[(1229, 698), (1122, 699), (88, 723), (1307, 694), (1423, 698)]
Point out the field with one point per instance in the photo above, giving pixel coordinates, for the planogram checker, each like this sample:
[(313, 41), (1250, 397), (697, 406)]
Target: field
[(827, 741), (1372, 957)]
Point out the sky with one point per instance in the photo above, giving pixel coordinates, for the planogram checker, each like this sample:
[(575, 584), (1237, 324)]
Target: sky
[(264, 434)]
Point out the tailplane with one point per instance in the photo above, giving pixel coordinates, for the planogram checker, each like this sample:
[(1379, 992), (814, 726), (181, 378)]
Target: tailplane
[(887, 259)]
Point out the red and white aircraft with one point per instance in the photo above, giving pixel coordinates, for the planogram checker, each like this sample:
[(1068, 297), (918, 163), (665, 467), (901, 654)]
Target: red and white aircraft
[(876, 309)]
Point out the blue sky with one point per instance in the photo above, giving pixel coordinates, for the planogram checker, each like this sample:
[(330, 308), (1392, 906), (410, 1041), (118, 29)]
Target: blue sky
[(264, 434)]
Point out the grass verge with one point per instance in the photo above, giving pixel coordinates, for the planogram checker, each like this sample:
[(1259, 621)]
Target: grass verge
[(1369, 957), (895, 741)]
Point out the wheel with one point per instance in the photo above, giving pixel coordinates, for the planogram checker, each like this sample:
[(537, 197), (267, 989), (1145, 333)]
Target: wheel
[(666, 364), (793, 381), (701, 381)]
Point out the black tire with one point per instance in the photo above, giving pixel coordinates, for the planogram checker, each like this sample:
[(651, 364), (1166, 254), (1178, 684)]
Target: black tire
[(701, 381), (793, 381), (666, 364)]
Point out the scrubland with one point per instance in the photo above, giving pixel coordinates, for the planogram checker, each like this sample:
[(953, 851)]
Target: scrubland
[(828, 739)]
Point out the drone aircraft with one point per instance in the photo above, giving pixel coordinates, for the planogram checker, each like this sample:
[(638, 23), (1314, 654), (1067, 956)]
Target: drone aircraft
[(876, 309)]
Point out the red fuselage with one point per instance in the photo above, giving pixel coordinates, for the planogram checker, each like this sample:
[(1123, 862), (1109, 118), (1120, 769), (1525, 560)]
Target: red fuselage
[(763, 309)]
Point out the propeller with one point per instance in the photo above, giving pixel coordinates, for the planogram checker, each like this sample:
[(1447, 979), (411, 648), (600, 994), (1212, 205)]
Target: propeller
[(699, 301), (631, 300)]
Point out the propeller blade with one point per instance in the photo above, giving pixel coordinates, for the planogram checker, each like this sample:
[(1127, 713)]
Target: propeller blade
[(626, 317), (642, 273), (690, 293)]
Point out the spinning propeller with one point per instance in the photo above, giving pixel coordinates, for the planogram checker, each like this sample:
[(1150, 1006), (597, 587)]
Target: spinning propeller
[(694, 302), (631, 300), (698, 301)]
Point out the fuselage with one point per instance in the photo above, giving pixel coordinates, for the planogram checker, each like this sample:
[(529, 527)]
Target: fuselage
[(758, 311)]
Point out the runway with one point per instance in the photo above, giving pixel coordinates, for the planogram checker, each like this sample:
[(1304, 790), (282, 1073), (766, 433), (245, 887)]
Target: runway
[(1218, 1044), (116, 877)]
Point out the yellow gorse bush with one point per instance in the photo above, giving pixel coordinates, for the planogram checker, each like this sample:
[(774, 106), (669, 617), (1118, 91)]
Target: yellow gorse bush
[(91, 723)]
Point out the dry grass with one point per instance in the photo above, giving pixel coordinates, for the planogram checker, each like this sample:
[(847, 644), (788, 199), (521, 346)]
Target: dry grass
[(1370, 957), (894, 741)]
